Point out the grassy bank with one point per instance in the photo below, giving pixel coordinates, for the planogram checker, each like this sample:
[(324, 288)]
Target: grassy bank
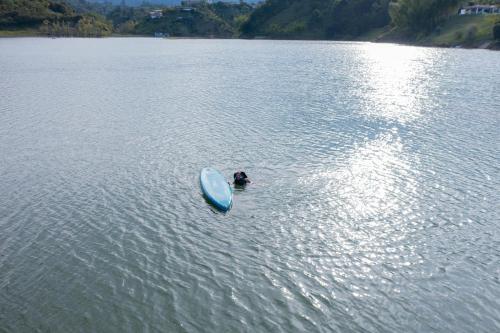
[(19, 33), (474, 31), (468, 31)]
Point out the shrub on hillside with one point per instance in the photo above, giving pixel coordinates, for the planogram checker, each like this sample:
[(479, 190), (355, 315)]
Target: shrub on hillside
[(496, 31), (420, 16), (471, 33)]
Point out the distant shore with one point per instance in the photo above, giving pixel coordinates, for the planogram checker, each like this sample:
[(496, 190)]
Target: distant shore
[(386, 38)]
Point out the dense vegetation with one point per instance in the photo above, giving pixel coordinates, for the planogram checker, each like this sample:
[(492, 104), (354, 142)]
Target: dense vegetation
[(435, 22), (496, 31), (125, 19), (209, 20), (27, 13), (175, 22), (339, 19), (51, 17), (83, 18), (421, 16), (430, 22)]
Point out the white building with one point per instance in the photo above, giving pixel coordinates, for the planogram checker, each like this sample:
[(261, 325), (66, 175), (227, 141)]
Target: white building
[(480, 10), (156, 14)]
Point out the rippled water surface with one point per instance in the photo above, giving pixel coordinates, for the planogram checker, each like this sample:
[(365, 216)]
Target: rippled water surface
[(375, 204)]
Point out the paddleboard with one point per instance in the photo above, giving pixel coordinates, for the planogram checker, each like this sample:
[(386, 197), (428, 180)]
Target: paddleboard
[(216, 189)]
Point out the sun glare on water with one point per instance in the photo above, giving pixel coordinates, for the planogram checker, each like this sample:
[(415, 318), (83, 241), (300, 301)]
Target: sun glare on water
[(370, 193), (395, 81)]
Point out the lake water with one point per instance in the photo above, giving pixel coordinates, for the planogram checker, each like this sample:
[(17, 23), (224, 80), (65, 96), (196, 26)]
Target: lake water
[(375, 203)]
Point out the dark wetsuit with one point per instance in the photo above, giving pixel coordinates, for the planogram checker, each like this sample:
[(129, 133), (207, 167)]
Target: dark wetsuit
[(240, 178)]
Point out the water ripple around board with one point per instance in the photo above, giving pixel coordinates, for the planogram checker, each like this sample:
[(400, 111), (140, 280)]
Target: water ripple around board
[(374, 202)]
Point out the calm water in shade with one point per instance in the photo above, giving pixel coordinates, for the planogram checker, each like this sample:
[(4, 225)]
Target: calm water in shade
[(375, 204)]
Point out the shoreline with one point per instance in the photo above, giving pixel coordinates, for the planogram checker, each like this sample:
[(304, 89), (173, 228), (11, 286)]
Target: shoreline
[(491, 45)]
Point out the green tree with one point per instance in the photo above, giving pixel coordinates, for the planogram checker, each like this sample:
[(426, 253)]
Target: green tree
[(496, 31), (471, 33), (317, 18), (420, 16)]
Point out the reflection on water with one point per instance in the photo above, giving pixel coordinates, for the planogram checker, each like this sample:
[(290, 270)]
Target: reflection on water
[(366, 203), (376, 181), (397, 81)]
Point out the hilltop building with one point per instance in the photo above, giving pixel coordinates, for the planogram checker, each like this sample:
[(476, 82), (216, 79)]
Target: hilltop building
[(479, 10), (156, 14)]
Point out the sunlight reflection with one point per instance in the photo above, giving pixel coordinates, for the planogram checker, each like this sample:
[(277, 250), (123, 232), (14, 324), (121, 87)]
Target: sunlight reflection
[(395, 81), (369, 199), (375, 182)]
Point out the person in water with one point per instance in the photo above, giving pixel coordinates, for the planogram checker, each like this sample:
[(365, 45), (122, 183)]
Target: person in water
[(240, 178)]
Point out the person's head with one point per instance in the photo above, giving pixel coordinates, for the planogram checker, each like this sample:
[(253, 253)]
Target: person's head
[(240, 178)]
